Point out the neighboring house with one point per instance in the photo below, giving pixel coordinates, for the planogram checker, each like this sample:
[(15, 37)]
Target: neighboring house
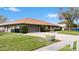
[(63, 26), (34, 25)]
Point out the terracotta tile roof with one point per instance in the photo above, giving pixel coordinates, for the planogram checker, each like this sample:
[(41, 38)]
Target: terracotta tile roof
[(28, 21), (32, 21)]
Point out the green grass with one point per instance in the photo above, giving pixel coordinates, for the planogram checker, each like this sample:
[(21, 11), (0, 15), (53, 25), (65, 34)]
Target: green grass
[(75, 45), (66, 48), (69, 32), (19, 42)]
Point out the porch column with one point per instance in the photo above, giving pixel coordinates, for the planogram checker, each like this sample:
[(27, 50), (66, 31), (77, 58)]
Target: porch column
[(6, 28)]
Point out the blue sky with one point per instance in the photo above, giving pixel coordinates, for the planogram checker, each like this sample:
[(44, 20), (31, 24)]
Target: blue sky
[(49, 14)]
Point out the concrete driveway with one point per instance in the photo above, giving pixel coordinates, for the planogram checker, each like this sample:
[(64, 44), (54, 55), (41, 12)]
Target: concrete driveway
[(65, 39)]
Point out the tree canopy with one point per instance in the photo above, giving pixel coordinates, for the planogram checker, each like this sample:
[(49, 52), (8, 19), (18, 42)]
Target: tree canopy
[(2, 19), (70, 14)]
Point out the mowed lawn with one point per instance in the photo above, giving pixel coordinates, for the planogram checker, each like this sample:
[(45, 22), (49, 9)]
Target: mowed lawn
[(69, 32), (19, 42), (66, 48)]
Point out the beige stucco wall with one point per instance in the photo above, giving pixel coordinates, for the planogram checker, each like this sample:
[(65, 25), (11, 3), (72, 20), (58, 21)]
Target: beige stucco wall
[(8, 28), (31, 28)]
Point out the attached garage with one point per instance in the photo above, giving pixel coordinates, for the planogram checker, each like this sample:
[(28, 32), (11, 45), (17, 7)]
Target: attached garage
[(33, 28)]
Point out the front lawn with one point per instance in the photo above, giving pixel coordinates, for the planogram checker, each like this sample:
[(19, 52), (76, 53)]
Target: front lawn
[(69, 32), (66, 48), (19, 42)]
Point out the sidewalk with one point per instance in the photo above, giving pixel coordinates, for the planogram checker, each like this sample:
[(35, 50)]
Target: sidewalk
[(53, 47)]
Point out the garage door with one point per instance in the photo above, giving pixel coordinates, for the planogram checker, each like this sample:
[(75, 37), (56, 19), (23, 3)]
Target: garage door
[(33, 29)]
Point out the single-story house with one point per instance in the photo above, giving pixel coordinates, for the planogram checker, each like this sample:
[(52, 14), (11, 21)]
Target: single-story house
[(34, 25), (63, 26)]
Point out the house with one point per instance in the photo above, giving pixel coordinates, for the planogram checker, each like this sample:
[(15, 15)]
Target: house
[(62, 26), (34, 25)]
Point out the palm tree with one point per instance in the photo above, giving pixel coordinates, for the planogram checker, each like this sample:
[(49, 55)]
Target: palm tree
[(70, 15)]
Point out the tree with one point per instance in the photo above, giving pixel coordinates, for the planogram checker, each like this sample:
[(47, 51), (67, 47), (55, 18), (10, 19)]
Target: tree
[(70, 15), (63, 22), (2, 19)]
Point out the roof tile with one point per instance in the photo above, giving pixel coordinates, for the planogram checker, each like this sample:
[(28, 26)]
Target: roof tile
[(32, 21)]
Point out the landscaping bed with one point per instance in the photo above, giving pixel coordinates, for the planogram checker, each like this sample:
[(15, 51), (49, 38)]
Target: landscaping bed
[(19, 42)]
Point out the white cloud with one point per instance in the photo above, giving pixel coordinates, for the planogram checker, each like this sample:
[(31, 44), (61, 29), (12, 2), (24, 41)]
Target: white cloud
[(52, 15), (13, 9)]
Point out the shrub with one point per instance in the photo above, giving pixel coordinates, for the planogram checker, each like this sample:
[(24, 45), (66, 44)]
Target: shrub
[(75, 45), (50, 38), (57, 29), (44, 29), (53, 38), (23, 29)]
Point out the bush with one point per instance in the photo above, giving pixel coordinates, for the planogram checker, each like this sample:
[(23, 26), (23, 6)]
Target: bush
[(50, 38), (23, 29), (75, 45), (57, 29), (43, 29), (74, 25)]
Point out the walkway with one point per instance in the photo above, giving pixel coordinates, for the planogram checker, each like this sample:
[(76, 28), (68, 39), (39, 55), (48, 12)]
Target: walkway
[(65, 39)]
